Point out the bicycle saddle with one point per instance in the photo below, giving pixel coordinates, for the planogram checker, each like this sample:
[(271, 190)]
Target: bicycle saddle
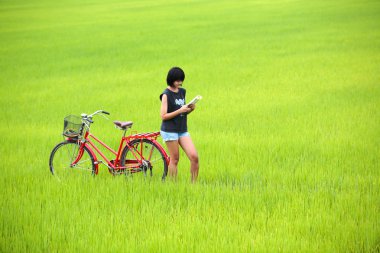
[(123, 124)]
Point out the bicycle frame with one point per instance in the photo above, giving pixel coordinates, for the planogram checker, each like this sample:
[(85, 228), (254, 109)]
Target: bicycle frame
[(124, 142)]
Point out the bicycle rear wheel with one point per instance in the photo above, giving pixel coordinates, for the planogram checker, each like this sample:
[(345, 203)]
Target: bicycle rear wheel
[(62, 158), (154, 164)]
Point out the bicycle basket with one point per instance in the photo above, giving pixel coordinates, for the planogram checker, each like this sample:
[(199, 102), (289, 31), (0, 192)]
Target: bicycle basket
[(72, 125)]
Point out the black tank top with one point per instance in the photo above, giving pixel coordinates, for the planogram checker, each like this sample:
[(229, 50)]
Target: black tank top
[(177, 124)]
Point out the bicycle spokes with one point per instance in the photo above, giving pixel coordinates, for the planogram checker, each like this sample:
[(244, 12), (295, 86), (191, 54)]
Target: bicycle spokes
[(150, 159), (67, 159)]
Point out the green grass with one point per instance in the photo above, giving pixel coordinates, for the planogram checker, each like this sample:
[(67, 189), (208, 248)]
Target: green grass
[(288, 132)]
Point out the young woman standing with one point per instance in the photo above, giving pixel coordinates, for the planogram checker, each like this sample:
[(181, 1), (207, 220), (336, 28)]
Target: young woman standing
[(174, 123)]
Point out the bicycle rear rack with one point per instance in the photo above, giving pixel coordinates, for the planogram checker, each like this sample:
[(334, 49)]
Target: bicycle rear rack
[(150, 135)]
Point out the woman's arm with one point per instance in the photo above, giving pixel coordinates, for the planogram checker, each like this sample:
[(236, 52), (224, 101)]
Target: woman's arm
[(164, 109)]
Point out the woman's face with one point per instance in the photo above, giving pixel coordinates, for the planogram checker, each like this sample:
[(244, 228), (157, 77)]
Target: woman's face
[(178, 84)]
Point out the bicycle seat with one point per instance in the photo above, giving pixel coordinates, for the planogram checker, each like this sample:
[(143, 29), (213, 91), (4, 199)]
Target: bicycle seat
[(123, 124)]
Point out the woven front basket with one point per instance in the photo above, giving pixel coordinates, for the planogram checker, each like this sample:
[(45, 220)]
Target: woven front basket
[(72, 126)]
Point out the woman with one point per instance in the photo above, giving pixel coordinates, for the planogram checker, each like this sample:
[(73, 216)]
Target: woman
[(174, 123)]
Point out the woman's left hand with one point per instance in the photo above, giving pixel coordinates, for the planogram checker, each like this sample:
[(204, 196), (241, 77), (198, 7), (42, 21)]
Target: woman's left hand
[(192, 107)]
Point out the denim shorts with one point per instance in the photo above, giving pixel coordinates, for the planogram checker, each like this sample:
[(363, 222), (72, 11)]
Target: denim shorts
[(173, 136)]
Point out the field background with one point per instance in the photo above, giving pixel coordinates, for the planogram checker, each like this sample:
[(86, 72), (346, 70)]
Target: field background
[(288, 132)]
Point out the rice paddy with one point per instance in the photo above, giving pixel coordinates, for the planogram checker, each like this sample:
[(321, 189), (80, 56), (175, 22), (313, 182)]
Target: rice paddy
[(288, 130)]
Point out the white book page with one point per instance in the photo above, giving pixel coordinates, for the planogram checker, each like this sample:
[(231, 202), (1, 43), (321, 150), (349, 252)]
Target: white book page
[(194, 100)]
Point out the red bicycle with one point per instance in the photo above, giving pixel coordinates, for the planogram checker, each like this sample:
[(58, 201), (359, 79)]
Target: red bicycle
[(136, 153)]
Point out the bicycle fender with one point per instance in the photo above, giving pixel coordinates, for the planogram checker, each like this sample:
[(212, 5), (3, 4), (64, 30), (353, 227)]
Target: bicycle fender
[(91, 152), (95, 158)]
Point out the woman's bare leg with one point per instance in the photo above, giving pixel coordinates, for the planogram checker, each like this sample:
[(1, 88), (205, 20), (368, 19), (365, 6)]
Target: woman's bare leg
[(189, 148), (174, 158)]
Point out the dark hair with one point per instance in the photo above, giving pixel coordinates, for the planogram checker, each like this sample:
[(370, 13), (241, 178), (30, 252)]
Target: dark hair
[(175, 74)]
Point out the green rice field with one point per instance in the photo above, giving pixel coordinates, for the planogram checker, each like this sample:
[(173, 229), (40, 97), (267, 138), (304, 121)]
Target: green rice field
[(288, 130)]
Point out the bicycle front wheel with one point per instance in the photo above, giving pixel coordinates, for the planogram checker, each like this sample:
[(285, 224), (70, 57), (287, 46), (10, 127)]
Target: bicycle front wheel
[(153, 159), (64, 155)]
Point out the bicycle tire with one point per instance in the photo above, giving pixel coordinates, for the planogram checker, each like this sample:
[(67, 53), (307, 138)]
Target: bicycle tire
[(63, 154), (158, 167)]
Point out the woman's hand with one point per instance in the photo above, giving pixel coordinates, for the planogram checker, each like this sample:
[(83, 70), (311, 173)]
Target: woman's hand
[(184, 109), (192, 107)]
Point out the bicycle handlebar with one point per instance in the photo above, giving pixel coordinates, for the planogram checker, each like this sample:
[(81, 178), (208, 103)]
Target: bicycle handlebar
[(97, 112), (89, 117)]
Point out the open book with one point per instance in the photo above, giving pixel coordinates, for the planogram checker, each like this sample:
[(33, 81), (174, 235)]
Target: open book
[(194, 100)]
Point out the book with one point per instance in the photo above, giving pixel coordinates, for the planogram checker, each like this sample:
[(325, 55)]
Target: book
[(194, 100)]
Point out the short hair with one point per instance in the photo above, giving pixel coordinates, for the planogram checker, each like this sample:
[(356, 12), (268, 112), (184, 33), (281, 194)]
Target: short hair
[(175, 74)]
